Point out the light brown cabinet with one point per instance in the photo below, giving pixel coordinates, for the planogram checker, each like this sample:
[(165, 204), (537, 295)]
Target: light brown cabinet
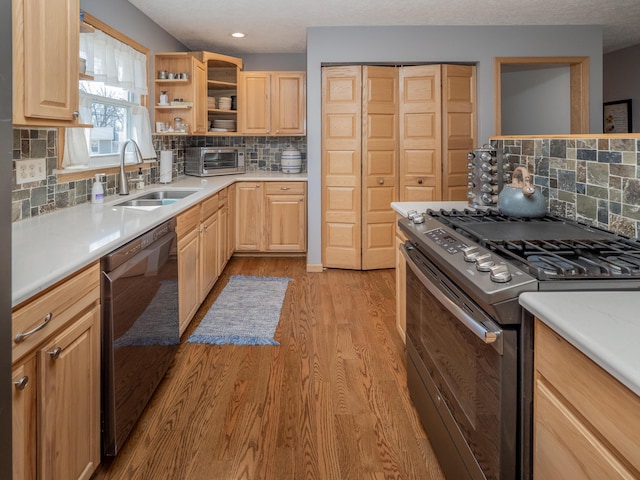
[(209, 247), (188, 231), (401, 285), (221, 81), (202, 252), (56, 375), (46, 36), (585, 421), (190, 90), (271, 217), (272, 103)]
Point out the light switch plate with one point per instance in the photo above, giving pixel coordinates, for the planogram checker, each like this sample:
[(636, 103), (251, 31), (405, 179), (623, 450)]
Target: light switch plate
[(31, 170)]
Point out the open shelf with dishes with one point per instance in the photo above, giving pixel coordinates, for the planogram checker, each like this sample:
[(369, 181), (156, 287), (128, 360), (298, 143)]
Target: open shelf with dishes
[(222, 90)]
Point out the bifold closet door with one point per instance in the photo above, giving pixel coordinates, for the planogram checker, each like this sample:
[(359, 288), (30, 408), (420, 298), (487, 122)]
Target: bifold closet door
[(459, 127), (379, 165), (341, 166), (420, 133)]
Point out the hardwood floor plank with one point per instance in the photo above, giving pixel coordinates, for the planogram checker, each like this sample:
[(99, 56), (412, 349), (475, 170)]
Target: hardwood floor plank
[(329, 403)]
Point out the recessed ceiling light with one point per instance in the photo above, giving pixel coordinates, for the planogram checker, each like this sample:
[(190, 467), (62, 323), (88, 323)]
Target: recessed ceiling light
[(238, 35)]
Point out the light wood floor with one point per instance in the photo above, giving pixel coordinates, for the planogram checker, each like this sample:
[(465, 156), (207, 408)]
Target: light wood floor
[(329, 403)]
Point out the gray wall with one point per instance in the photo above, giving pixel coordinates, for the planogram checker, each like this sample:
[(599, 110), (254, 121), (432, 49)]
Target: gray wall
[(435, 44), (621, 80), (6, 143), (535, 100), (274, 61)]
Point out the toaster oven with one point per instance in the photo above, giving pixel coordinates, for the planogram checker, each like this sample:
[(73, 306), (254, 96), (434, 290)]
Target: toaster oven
[(210, 161)]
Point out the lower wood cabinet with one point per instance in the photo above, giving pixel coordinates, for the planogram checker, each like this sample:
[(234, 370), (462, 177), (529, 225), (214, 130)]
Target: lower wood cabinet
[(202, 252), (271, 217), (56, 376), (586, 423), (401, 286)]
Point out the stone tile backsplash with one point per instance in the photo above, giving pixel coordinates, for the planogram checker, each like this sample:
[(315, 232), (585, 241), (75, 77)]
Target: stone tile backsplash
[(38, 198), (592, 180)]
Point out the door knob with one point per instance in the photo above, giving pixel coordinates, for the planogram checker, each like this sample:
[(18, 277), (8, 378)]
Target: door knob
[(381, 181), (22, 383)]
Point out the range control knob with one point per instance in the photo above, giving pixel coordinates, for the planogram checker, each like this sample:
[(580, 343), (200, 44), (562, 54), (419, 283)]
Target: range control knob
[(484, 262), (499, 273), (470, 253)]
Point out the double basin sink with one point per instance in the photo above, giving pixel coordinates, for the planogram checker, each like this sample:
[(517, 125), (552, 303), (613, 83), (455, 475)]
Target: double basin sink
[(158, 198)]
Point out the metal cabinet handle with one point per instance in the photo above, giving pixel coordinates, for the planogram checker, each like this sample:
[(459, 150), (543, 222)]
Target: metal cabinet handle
[(21, 336), (55, 353), (76, 114), (257, 185), (285, 188), (22, 383)]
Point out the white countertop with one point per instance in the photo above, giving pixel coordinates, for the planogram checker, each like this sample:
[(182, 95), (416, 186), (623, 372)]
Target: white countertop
[(47, 248), (605, 326)]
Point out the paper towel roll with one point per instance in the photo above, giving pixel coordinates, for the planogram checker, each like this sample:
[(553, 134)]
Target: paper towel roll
[(166, 157)]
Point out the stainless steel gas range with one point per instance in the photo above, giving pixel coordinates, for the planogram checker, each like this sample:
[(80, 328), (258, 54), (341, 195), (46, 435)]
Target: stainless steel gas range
[(470, 344)]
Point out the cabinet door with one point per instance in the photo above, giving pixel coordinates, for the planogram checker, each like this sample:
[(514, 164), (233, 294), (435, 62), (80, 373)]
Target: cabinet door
[(200, 104), (188, 277), (288, 110), (69, 401), (223, 237), (255, 103), (231, 221), (208, 255), (401, 286), (249, 216), (286, 226), (24, 419), (46, 71)]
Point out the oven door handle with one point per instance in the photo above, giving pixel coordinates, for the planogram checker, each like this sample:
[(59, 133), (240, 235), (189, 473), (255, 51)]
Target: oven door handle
[(480, 330)]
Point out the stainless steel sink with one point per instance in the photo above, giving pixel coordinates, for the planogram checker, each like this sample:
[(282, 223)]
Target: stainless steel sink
[(165, 195), (158, 198)]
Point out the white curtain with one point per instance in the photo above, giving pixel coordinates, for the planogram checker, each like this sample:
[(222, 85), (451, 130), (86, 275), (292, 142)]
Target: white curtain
[(114, 63), (76, 145)]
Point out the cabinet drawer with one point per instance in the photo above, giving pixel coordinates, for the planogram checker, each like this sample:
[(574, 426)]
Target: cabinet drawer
[(209, 206), (62, 303), (605, 403), (187, 221), (284, 188)]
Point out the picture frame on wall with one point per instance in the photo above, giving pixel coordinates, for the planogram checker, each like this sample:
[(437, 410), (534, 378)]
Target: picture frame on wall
[(616, 117)]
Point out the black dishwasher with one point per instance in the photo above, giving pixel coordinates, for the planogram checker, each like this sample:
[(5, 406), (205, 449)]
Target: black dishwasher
[(140, 331)]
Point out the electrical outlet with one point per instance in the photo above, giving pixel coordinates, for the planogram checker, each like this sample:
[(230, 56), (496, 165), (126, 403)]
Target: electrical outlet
[(31, 170)]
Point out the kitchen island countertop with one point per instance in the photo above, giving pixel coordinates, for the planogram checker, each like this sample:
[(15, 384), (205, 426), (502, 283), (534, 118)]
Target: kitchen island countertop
[(48, 248)]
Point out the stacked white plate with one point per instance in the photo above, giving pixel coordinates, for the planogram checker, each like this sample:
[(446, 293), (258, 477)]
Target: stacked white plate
[(228, 125), (224, 103)]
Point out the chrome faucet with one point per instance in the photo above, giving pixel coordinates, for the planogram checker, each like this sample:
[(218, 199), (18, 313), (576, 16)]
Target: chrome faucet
[(123, 186)]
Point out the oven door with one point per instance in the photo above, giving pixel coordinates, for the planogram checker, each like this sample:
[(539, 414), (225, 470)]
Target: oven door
[(462, 375), (219, 160)]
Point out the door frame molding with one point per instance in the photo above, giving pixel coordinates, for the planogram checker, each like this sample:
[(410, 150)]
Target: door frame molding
[(579, 87)]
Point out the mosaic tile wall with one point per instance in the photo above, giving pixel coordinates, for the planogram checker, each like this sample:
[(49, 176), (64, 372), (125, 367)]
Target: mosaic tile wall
[(38, 198), (595, 181)]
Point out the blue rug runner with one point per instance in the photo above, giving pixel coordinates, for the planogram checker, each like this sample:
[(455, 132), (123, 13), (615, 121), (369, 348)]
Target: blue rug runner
[(246, 312)]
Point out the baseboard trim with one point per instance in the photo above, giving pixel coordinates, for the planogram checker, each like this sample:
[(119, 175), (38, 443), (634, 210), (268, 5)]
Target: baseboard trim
[(314, 268)]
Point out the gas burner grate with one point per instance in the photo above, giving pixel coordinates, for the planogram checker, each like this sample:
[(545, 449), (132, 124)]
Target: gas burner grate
[(567, 259)]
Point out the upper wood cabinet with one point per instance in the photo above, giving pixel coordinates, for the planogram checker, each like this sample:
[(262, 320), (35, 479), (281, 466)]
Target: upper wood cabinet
[(46, 36), (272, 103)]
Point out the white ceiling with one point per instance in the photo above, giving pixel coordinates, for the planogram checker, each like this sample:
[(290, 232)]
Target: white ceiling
[(279, 26)]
